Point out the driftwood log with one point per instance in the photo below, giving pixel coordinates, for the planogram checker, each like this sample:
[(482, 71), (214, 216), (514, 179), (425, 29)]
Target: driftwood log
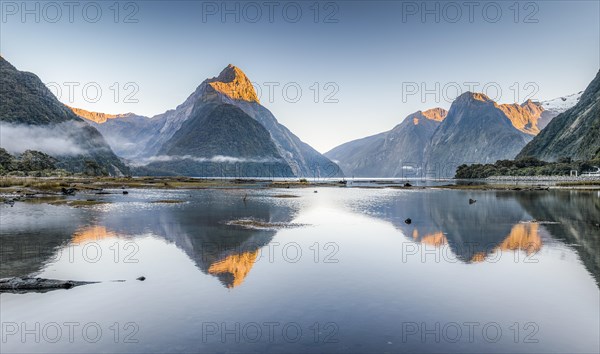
[(26, 284)]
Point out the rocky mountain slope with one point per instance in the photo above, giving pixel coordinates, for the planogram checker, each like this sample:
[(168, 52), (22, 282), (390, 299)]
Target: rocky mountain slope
[(221, 134), (476, 130), (574, 133), (32, 118), (395, 153)]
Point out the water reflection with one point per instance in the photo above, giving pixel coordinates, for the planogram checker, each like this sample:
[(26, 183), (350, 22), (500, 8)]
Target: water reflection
[(498, 222), (31, 235), (91, 234), (191, 259), (197, 227), (577, 219)]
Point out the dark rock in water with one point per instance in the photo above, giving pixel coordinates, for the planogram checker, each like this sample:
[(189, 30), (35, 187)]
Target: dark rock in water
[(142, 278), (68, 191), (407, 184), (472, 201), (408, 221), (26, 284), (125, 192)]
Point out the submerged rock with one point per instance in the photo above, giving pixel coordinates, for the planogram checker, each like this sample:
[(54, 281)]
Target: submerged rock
[(27, 284), (254, 224), (68, 191)]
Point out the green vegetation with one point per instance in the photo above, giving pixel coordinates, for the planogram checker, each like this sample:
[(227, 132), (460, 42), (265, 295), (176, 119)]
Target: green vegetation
[(573, 133), (30, 163), (37, 164), (526, 166)]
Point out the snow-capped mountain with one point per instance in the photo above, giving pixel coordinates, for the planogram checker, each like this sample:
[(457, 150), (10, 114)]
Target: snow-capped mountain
[(561, 104), (556, 106)]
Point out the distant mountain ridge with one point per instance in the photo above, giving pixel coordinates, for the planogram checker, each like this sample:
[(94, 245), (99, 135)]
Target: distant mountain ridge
[(149, 138), (390, 153), (98, 117), (37, 120), (478, 130)]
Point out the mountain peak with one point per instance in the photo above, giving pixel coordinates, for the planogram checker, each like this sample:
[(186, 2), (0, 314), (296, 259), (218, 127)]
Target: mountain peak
[(233, 83), (477, 96)]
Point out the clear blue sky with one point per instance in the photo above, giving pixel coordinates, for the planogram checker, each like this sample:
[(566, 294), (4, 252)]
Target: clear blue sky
[(373, 53)]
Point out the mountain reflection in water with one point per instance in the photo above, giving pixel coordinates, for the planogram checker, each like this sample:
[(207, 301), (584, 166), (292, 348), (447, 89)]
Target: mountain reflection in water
[(198, 228), (498, 221)]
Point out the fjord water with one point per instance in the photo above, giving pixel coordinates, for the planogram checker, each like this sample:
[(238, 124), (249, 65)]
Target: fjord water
[(513, 272)]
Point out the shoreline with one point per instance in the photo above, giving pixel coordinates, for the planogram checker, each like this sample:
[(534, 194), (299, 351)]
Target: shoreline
[(50, 188)]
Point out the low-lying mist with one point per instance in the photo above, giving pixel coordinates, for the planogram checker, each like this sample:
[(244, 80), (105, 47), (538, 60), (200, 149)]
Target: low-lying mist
[(216, 158), (56, 140)]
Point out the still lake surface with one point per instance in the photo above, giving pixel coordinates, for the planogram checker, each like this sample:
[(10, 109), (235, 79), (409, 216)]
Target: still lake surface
[(513, 272)]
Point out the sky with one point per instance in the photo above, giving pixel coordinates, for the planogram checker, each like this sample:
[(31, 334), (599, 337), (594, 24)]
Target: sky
[(330, 71)]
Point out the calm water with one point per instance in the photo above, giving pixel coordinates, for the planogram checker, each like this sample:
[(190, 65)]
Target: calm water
[(350, 275)]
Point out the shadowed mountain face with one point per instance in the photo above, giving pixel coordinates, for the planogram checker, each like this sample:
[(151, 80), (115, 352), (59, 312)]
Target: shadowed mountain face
[(37, 120), (126, 133), (218, 134), (148, 138), (574, 133), (476, 130), (389, 154)]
